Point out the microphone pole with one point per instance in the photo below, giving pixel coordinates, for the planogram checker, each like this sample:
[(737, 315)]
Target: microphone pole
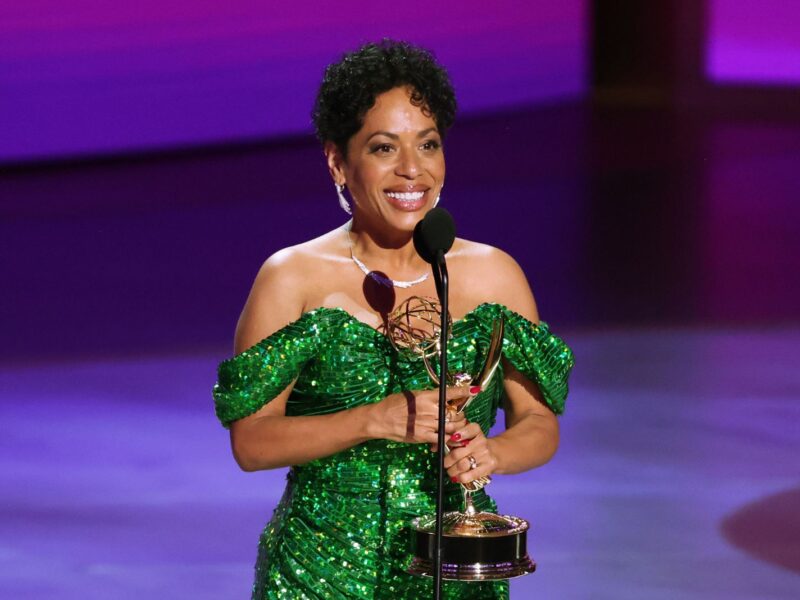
[(442, 288), (433, 237)]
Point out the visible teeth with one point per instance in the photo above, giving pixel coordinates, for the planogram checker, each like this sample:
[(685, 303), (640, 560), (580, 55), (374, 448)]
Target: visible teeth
[(407, 196)]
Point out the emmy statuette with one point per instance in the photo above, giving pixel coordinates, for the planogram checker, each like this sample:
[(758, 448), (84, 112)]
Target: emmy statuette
[(476, 546)]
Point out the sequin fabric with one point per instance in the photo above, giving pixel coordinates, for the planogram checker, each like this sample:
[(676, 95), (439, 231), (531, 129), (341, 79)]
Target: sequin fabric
[(341, 529)]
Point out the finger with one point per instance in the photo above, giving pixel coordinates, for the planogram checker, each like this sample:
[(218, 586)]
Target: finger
[(467, 430), (453, 392), (482, 470), (456, 439), (427, 404), (430, 407), (429, 422), (452, 458), (456, 417), (426, 436), (465, 435), (451, 428), (455, 423), (457, 397), (464, 471), (457, 392), (457, 453), (471, 431)]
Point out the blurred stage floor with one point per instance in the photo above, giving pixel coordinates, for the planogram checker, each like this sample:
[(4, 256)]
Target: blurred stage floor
[(674, 480)]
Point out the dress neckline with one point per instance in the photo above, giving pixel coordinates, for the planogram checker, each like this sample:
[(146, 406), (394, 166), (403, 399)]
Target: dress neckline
[(353, 319), (364, 325)]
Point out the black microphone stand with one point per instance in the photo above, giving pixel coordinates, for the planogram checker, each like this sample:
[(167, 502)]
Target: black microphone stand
[(442, 289)]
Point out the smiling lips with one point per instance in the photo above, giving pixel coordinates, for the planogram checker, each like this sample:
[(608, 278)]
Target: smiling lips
[(407, 201)]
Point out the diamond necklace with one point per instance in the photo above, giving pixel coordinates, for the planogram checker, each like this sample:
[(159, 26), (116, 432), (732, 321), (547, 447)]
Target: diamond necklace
[(377, 277)]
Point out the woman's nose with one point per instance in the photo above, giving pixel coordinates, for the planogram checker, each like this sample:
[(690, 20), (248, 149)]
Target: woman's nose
[(408, 164)]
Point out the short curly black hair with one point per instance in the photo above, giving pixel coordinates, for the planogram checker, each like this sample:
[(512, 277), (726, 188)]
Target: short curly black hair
[(350, 87)]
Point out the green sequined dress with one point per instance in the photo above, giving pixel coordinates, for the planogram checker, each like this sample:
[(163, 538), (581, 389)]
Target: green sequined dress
[(341, 528)]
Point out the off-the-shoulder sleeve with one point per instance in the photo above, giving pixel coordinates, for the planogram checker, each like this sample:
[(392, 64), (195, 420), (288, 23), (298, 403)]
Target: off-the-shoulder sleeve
[(249, 380), (539, 355)]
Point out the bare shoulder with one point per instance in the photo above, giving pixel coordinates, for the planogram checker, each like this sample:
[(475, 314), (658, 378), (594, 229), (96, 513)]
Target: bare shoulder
[(495, 276), (279, 292)]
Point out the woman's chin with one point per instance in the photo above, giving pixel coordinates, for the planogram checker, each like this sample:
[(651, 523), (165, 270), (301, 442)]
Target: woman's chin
[(400, 220), (407, 220)]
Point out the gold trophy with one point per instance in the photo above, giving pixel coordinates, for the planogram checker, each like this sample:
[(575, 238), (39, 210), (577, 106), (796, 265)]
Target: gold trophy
[(476, 546)]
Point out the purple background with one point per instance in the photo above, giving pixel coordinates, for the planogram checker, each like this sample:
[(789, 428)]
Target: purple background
[(91, 77), (658, 226), (756, 42)]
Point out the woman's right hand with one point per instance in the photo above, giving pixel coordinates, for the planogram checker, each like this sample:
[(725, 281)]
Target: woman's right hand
[(413, 416)]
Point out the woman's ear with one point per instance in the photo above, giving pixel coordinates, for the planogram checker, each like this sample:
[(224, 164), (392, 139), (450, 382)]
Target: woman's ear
[(335, 161)]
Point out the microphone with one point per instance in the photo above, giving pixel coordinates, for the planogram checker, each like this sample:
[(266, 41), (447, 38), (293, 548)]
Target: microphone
[(434, 235)]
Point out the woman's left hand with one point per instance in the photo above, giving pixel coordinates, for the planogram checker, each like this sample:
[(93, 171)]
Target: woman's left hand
[(464, 443)]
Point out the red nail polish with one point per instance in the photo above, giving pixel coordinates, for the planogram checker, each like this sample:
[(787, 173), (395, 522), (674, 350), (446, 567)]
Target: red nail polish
[(454, 480), (455, 437), (474, 389), (465, 443)]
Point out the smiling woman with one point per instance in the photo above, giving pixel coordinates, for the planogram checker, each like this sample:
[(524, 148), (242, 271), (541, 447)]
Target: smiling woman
[(317, 386), (393, 167)]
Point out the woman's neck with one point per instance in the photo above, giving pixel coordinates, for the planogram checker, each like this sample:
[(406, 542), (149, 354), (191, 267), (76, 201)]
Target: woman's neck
[(389, 249)]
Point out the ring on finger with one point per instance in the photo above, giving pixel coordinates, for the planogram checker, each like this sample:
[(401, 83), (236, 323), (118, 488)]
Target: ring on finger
[(473, 464)]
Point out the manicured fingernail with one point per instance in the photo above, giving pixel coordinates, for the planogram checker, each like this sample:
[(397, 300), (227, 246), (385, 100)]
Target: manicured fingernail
[(465, 443), (454, 480), (455, 437), (474, 389)]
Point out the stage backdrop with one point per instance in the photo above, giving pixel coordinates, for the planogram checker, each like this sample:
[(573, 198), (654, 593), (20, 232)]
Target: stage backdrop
[(754, 42), (93, 77)]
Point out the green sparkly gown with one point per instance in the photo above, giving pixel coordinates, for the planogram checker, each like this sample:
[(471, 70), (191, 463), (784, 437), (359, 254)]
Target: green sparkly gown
[(341, 528)]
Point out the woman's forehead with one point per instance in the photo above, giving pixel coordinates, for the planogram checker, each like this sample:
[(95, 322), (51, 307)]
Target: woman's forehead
[(393, 112)]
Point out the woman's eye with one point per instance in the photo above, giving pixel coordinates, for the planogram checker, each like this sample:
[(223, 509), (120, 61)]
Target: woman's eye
[(382, 148), (431, 145)]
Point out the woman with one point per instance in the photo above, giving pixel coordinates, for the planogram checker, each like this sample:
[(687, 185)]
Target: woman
[(317, 386)]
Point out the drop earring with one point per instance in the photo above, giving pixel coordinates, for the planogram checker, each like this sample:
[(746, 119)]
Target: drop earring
[(342, 200)]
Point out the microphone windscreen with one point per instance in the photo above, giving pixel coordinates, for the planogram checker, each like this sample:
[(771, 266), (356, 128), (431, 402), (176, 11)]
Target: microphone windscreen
[(435, 233)]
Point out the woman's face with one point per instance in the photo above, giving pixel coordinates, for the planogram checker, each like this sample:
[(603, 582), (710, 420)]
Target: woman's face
[(395, 164)]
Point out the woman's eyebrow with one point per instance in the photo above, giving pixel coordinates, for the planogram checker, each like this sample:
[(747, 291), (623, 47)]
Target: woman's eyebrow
[(394, 136)]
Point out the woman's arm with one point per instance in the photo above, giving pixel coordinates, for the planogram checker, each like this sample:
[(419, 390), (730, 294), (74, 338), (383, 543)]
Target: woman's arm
[(268, 438), (529, 441), (531, 436), (532, 433)]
